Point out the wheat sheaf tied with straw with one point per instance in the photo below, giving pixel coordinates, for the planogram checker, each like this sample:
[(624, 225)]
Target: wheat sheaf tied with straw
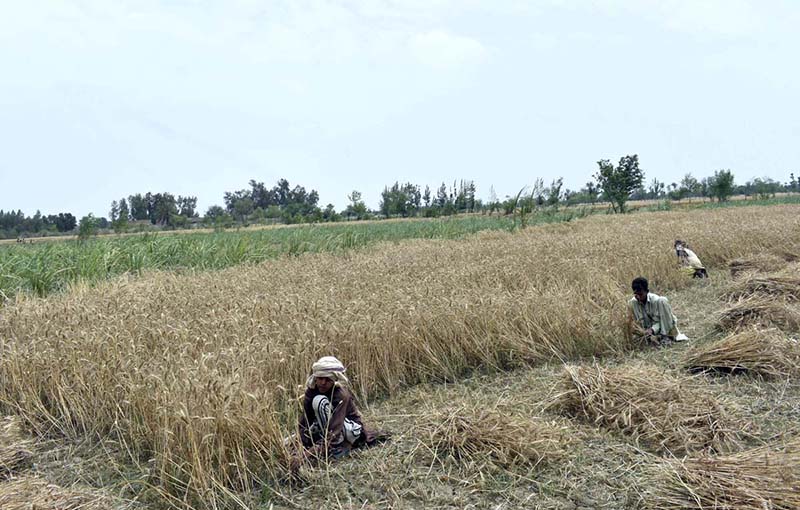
[(783, 284), (658, 410), (490, 436), (764, 352), (763, 478)]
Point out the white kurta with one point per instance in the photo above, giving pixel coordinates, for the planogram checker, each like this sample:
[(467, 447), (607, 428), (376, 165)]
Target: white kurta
[(655, 314)]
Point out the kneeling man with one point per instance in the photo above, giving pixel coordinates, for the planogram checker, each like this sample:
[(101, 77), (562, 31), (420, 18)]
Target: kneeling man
[(653, 315)]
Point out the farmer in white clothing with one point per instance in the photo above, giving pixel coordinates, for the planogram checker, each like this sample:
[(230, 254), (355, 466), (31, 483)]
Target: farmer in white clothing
[(690, 260), (652, 315)]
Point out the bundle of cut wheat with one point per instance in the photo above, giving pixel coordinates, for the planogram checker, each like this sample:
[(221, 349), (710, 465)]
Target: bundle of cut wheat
[(768, 353), (759, 310), (765, 478), (15, 449), (469, 435), (29, 493), (789, 254), (660, 411), (763, 262), (784, 284)]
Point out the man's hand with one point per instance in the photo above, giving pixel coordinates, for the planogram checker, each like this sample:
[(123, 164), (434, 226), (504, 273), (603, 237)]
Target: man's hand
[(649, 332)]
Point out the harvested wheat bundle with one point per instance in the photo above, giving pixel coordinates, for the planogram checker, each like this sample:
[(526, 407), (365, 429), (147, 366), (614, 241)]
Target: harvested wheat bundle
[(28, 493), (763, 262), (15, 449), (488, 436), (765, 478), (768, 353), (759, 310), (789, 254), (784, 283), (657, 410)]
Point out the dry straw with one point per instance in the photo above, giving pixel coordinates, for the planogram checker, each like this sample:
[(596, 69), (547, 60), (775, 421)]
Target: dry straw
[(480, 436), (765, 478), (767, 353), (16, 449), (784, 284), (31, 493), (760, 262), (759, 310), (659, 411)]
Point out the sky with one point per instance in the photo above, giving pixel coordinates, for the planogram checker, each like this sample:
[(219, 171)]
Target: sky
[(100, 100)]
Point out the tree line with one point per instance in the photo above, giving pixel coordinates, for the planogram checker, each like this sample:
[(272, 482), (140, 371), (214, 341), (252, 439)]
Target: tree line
[(284, 203), (14, 223)]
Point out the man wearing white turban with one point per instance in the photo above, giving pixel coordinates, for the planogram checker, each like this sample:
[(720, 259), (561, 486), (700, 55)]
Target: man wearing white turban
[(330, 418)]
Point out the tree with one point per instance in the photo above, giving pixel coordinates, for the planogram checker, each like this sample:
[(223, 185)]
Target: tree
[(214, 212), (231, 197), (617, 183), (721, 185), (426, 196), (119, 215), (161, 207), (65, 222), (124, 212), (400, 199), (139, 209), (656, 189), (242, 208), (765, 188), (262, 197), (114, 212), (471, 191), (187, 206), (441, 197), (281, 192), (330, 214), (87, 227), (591, 191), (689, 186), (554, 192), (357, 208)]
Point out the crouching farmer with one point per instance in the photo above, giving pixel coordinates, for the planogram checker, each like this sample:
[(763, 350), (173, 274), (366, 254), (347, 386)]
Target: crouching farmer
[(654, 321), (690, 260), (330, 424)]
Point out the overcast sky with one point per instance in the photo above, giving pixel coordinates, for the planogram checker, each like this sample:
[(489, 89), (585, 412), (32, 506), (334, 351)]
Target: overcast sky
[(103, 99)]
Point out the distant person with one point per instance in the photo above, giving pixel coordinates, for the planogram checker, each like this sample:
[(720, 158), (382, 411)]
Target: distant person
[(689, 259), (330, 425), (653, 318)]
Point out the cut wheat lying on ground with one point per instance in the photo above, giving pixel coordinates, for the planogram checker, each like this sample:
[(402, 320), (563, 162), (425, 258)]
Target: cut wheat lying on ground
[(760, 352), (198, 374), (765, 477), (656, 409)]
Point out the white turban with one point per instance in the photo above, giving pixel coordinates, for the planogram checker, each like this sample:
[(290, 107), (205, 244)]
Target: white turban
[(327, 366)]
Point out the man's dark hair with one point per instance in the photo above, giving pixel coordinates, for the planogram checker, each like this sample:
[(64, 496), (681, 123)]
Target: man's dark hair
[(639, 283)]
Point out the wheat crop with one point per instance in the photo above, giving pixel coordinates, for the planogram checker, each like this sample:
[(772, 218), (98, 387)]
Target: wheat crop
[(198, 373)]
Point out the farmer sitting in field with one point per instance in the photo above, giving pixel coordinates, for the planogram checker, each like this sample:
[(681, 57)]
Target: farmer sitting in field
[(690, 260), (652, 314), (330, 424)]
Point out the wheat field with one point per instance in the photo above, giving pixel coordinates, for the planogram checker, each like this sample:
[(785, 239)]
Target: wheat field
[(198, 374)]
